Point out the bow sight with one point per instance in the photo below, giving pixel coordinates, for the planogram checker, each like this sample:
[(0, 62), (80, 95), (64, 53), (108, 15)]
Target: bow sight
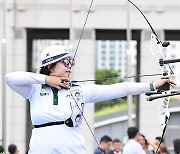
[(156, 49)]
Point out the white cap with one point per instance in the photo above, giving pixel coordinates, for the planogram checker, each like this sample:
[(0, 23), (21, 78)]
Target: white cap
[(53, 54)]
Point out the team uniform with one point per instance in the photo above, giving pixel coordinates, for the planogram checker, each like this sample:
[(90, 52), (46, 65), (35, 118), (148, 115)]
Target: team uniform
[(48, 105)]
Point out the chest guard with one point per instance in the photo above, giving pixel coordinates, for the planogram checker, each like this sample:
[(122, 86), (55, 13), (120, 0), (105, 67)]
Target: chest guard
[(77, 105)]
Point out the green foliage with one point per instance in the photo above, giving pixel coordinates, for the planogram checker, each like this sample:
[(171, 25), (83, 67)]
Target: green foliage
[(106, 104), (116, 108), (107, 74)]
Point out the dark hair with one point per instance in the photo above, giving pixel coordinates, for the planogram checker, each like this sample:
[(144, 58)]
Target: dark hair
[(132, 132), (1, 149), (45, 70), (145, 140), (176, 143), (12, 148), (116, 141), (160, 138), (105, 139), (164, 150)]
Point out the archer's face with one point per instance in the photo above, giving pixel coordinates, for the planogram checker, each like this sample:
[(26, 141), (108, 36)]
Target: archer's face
[(62, 68)]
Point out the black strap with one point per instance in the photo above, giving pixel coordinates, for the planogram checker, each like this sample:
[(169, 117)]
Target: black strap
[(68, 123), (50, 124)]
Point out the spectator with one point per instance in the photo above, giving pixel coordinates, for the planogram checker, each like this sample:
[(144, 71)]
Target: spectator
[(105, 144), (116, 146), (132, 146), (141, 141), (12, 148), (1, 149), (163, 150), (145, 144), (176, 144), (157, 141)]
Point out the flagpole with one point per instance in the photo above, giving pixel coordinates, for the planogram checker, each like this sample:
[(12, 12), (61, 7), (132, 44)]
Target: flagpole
[(4, 44), (128, 34)]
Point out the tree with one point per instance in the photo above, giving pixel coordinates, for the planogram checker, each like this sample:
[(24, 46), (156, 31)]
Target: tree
[(105, 77)]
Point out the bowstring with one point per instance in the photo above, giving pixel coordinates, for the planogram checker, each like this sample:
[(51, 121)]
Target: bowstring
[(74, 59), (162, 136), (83, 28), (152, 29), (85, 120)]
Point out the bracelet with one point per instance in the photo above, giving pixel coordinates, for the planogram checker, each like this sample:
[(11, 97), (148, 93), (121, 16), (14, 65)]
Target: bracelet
[(151, 84)]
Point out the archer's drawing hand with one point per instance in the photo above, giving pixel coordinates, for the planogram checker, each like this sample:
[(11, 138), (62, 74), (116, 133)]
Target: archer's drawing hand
[(57, 82), (161, 82)]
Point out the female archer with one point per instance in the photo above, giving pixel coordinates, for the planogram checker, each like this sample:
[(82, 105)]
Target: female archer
[(56, 106)]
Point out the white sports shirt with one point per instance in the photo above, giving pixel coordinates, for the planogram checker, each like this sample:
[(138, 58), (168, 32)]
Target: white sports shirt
[(133, 147), (46, 106)]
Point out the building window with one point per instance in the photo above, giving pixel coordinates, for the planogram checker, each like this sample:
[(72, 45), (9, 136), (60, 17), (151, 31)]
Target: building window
[(103, 45), (112, 58), (103, 52), (103, 58), (103, 65)]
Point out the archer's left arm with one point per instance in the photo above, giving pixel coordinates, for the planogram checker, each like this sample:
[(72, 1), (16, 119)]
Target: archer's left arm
[(97, 93)]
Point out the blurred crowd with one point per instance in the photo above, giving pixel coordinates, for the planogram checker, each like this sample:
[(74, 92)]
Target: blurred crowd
[(137, 144), (12, 149)]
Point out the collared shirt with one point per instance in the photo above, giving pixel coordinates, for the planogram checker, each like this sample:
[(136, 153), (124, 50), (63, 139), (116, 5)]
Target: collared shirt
[(117, 152), (47, 106), (133, 147), (114, 152)]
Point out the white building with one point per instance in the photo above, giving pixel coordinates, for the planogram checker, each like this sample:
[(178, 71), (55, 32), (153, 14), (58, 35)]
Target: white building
[(113, 55), (27, 21)]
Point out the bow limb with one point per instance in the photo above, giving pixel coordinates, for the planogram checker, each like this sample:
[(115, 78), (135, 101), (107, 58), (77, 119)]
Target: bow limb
[(164, 116), (163, 111)]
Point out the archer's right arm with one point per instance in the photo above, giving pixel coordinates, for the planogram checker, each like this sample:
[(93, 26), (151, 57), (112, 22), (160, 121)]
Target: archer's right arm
[(22, 82)]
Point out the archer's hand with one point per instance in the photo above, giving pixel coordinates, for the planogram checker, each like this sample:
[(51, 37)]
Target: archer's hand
[(57, 82), (161, 82)]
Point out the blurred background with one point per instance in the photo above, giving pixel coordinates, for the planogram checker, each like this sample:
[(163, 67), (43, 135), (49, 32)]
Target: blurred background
[(115, 42)]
